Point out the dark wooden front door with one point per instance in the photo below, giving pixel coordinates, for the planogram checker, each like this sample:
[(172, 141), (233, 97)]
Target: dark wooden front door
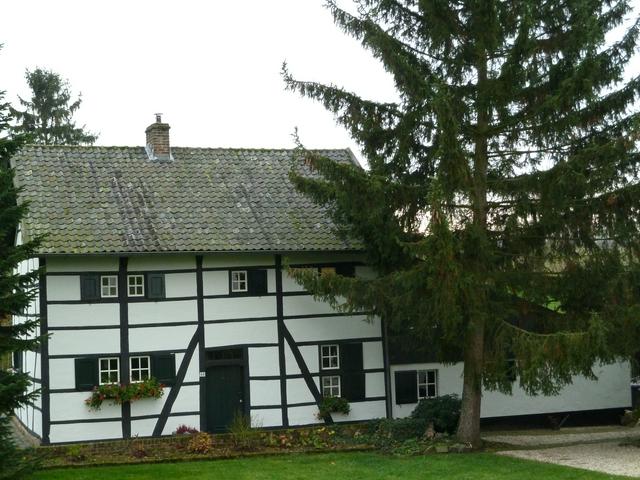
[(225, 395)]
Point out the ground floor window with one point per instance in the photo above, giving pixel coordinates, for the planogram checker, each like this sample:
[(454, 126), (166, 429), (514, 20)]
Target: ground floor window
[(331, 386), (427, 384), (139, 368), (109, 370)]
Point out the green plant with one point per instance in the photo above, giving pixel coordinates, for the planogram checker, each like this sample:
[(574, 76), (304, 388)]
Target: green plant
[(138, 448), (120, 393), (200, 442), (75, 453), (443, 412), (400, 429), (331, 405), (243, 435)]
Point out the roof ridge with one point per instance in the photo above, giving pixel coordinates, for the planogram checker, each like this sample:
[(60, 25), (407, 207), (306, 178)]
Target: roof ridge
[(259, 149)]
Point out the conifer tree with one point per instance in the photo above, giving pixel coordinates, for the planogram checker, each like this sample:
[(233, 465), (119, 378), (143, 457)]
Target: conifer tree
[(47, 117), (501, 205), (17, 291)]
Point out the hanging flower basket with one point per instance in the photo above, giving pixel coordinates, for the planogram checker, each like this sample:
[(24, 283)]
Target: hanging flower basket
[(120, 393)]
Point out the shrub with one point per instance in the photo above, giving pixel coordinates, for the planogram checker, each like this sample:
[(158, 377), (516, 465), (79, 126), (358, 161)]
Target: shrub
[(443, 412), (185, 430), (200, 443), (243, 436), (331, 405), (401, 429)]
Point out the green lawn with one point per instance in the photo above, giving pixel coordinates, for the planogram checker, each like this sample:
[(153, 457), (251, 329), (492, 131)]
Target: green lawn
[(351, 466)]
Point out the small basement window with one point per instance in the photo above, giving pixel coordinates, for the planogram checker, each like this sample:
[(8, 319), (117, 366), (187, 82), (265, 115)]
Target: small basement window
[(331, 386), (109, 370), (239, 281), (427, 384), (136, 285), (108, 286), (139, 368), (330, 357)]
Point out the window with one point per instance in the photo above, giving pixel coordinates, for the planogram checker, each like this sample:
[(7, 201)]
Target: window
[(136, 285), (139, 368), (427, 384), (109, 370), (239, 281), (331, 386), (330, 357), (108, 286)]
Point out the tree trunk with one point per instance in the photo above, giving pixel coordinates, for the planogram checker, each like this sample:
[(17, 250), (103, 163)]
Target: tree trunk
[(469, 426)]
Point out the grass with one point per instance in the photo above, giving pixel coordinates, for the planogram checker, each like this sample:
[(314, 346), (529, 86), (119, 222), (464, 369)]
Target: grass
[(336, 466)]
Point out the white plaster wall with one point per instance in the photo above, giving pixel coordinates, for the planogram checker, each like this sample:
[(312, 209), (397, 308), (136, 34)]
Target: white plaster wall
[(139, 263), (239, 307), (62, 373), (159, 312), (71, 406), (289, 284), (79, 432), (298, 392), (238, 333), (143, 428), (148, 339), (80, 342), (303, 415), (362, 411), (264, 361), (36, 422), (83, 314), (83, 263), (266, 417), (32, 364), (305, 305), (193, 371), (372, 355), (611, 390), (237, 260), (174, 422), (63, 287), (215, 283), (374, 384), (188, 400), (180, 285), (265, 392), (333, 328), (309, 354)]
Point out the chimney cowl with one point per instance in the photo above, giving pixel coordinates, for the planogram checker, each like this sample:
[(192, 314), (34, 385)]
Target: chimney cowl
[(158, 146)]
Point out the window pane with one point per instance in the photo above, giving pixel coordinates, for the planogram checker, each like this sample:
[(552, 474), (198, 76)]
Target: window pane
[(432, 390), (422, 376), (431, 376), (422, 391)]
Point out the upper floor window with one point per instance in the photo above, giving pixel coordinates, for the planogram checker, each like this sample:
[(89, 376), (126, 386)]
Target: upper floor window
[(330, 357), (427, 384), (109, 370), (139, 368), (136, 285), (108, 286), (239, 281)]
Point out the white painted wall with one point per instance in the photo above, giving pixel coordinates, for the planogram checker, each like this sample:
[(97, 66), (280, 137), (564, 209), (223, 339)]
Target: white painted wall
[(137, 263), (263, 361), (83, 314), (84, 263), (215, 282), (304, 415), (238, 333), (297, 391), (79, 432), (81, 342), (374, 384), (611, 390), (188, 400), (266, 417), (224, 260), (159, 312), (264, 392), (180, 285), (148, 339), (239, 307), (71, 406), (323, 329), (63, 287)]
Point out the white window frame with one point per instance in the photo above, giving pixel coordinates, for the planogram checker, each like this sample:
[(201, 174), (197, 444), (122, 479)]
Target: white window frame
[(111, 286), (329, 356), (138, 287), (427, 383), (236, 281), (332, 383), (109, 370), (140, 369)]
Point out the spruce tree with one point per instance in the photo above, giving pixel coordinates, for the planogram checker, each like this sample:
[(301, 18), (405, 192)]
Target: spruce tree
[(47, 118), (501, 205), (17, 291)]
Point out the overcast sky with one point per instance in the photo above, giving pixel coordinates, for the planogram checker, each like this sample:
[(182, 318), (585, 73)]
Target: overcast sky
[(211, 67)]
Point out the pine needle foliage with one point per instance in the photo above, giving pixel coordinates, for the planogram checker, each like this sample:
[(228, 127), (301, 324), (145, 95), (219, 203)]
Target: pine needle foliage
[(501, 205), (47, 118)]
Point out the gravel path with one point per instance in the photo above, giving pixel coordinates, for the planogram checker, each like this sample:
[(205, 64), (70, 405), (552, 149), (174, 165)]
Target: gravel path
[(564, 437), (610, 457)]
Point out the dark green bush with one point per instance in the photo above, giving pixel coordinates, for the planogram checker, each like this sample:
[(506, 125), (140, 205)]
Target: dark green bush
[(443, 411), (401, 429), (331, 405)]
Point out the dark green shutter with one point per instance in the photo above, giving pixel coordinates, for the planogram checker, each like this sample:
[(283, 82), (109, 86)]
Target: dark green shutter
[(352, 382), (155, 285), (406, 387), (346, 270), (89, 287), (257, 282), (86, 373), (163, 368)]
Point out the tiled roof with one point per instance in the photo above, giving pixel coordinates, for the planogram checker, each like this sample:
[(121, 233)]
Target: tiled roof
[(116, 200)]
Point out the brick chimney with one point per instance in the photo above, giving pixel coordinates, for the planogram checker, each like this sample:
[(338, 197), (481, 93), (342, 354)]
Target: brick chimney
[(158, 147)]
